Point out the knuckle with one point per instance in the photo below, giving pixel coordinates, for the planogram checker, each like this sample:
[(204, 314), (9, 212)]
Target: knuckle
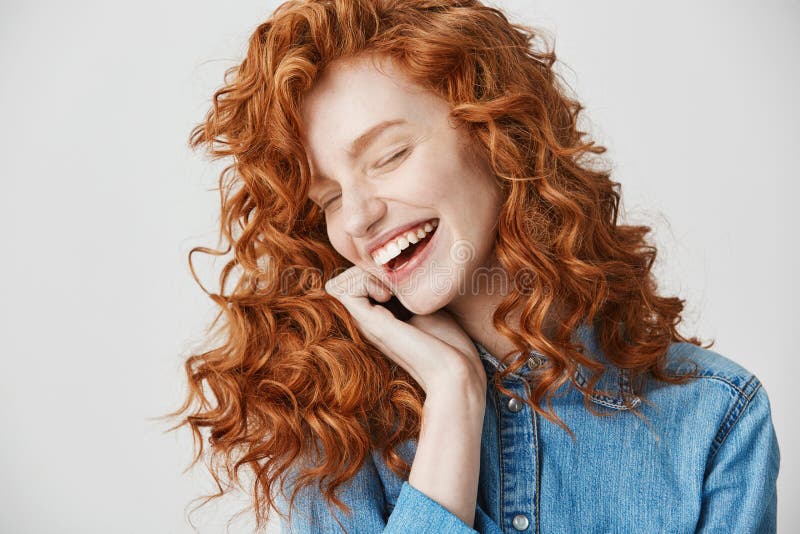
[(329, 286), (334, 285)]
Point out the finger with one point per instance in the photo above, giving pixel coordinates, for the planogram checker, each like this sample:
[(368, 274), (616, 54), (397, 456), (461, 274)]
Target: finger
[(377, 290), (352, 288), (409, 347), (339, 286)]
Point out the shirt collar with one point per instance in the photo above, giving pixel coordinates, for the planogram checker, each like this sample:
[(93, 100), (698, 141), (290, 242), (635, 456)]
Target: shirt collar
[(612, 387)]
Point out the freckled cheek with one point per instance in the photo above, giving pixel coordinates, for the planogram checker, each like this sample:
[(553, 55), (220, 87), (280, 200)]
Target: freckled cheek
[(427, 183)]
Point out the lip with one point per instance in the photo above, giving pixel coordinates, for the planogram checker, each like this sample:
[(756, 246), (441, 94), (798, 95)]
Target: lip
[(387, 236), (395, 277)]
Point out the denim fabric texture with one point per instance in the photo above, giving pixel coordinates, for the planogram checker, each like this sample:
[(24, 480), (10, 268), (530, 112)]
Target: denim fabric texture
[(706, 461)]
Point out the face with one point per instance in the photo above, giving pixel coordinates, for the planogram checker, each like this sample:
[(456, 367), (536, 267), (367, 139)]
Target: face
[(386, 161)]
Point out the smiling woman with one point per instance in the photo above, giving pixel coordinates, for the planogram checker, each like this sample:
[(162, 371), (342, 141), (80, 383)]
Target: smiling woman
[(410, 167), (425, 151)]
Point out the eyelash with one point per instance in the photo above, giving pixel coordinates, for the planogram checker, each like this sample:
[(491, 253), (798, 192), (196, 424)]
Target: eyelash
[(397, 155), (393, 158)]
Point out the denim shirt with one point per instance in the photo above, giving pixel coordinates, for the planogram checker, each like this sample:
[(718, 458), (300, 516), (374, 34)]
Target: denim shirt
[(708, 464)]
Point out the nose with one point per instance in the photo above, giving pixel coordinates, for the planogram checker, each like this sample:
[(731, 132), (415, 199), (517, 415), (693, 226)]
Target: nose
[(360, 209)]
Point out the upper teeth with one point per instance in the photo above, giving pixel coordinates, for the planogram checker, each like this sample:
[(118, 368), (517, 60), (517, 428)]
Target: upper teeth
[(393, 248)]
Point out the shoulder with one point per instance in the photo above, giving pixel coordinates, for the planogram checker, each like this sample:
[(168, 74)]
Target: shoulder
[(688, 359), (712, 378), (741, 446), (721, 392)]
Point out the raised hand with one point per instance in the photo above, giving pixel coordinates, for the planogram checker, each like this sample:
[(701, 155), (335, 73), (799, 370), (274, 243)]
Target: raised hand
[(433, 348)]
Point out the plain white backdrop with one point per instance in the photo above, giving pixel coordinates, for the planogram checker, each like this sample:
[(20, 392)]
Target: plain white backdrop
[(101, 201)]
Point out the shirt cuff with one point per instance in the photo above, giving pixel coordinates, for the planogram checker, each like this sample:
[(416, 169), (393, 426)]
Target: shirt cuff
[(418, 513), (485, 524)]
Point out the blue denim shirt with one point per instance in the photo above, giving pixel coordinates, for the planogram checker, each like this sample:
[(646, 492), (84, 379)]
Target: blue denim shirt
[(708, 464)]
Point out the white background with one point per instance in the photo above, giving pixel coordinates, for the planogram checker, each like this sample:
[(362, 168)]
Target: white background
[(101, 201)]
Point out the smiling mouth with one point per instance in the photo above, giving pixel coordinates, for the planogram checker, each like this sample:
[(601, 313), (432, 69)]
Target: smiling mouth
[(407, 254)]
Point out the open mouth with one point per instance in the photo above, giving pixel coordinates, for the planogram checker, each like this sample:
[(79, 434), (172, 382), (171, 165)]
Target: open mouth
[(408, 254)]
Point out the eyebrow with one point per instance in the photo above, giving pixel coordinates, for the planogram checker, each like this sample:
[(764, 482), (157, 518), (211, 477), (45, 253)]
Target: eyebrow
[(367, 138)]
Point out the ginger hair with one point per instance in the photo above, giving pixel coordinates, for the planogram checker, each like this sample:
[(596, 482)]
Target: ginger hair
[(291, 377)]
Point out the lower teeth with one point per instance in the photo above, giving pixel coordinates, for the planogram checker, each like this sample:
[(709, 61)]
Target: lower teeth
[(395, 266), (398, 267)]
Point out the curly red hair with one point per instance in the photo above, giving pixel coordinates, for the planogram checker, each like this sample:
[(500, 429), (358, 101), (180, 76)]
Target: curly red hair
[(289, 371)]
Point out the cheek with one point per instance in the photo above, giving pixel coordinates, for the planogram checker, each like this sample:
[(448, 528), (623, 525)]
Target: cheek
[(341, 243), (430, 179)]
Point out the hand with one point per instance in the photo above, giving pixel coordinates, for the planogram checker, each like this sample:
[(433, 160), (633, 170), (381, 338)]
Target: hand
[(432, 348)]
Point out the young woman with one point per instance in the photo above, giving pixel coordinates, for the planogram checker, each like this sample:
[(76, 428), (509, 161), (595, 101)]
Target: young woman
[(439, 322)]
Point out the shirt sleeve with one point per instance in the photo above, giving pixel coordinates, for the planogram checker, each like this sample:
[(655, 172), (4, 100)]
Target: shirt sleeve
[(739, 490), (413, 512), (416, 512)]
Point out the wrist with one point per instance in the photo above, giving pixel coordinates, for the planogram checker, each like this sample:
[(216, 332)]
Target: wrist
[(456, 397), (459, 381)]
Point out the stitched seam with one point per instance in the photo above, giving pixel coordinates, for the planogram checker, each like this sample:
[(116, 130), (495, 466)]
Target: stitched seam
[(625, 384), (501, 502), (614, 403), (538, 461), (607, 404), (720, 378), (732, 417)]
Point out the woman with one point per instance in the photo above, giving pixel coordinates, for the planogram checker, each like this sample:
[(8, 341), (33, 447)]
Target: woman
[(430, 253)]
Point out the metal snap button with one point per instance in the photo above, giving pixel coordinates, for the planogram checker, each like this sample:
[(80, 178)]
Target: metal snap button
[(520, 522), (514, 405), (534, 362)]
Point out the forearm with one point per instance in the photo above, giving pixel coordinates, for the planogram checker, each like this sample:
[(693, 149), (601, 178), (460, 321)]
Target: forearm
[(446, 465)]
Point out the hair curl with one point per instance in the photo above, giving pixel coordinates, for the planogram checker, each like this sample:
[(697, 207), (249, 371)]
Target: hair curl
[(290, 371)]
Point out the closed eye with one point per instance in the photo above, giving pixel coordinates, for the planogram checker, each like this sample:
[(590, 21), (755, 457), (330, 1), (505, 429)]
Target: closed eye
[(393, 158)]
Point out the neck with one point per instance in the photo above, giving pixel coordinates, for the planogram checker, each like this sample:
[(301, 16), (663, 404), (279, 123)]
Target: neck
[(473, 311)]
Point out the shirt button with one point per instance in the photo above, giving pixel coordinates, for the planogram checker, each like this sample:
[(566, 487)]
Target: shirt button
[(514, 405), (534, 362), (520, 522)]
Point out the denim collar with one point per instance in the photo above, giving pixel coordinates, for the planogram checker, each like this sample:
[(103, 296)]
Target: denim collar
[(612, 387)]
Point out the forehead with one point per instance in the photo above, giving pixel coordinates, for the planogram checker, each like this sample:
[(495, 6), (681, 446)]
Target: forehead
[(354, 94)]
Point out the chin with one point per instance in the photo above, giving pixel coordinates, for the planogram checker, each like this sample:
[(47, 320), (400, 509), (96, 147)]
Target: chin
[(424, 302)]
